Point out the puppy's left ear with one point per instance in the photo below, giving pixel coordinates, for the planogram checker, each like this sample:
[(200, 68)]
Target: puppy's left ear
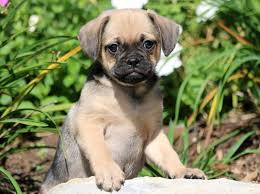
[(90, 36), (168, 30)]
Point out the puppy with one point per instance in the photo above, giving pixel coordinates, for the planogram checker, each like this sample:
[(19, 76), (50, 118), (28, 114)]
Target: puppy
[(117, 123)]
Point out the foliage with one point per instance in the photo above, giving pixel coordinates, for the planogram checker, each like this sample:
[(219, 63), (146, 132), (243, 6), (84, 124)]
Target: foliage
[(25, 54), (220, 72)]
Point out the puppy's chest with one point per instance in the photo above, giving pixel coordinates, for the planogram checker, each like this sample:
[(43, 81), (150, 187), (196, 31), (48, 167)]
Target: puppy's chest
[(116, 106), (145, 116), (134, 123)]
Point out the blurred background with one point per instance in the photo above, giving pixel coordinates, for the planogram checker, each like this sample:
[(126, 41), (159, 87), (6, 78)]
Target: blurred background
[(210, 84)]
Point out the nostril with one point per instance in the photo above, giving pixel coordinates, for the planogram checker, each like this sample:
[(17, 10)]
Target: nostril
[(133, 61)]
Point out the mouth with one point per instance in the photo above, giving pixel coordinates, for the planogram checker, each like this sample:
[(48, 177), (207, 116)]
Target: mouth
[(134, 78), (133, 75)]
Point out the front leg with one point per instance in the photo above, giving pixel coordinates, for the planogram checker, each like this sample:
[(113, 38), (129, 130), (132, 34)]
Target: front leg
[(160, 151), (90, 137)]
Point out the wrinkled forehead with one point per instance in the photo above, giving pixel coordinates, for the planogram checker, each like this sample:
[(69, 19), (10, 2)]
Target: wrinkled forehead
[(128, 27)]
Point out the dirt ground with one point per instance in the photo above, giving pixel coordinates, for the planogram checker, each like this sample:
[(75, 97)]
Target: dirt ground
[(29, 167)]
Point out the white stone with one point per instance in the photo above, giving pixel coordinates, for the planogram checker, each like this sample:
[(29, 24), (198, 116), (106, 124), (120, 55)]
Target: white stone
[(156, 185)]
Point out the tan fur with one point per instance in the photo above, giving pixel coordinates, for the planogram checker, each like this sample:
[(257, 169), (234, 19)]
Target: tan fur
[(115, 115), (134, 24), (118, 127), (134, 129)]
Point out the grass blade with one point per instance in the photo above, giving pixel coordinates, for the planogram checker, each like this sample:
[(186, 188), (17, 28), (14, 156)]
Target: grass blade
[(29, 122), (11, 15), (170, 134), (197, 101), (236, 146), (178, 101), (185, 138), (12, 180), (245, 152), (212, 146)]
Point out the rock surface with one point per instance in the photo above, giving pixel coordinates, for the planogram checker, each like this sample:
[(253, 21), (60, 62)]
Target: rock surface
[(153, 185)]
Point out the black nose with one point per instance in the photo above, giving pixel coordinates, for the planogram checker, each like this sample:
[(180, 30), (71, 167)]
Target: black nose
[(133, 61)]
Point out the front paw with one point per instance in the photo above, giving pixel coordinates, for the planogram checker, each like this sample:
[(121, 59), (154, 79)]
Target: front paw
[(109, 176), (189, 173)]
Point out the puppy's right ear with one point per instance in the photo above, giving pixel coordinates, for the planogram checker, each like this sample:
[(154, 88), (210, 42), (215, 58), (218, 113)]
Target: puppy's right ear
[(90, 36), (168, 30)]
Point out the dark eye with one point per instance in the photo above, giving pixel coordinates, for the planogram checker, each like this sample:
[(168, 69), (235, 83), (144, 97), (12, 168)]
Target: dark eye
[(113, 48), (148, 44)]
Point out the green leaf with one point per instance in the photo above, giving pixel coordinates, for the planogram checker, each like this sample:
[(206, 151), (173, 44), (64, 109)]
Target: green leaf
[(12, 180), (145, 172), (245, 152), (154, 170), (230, 153), (178, 101), (185, 137), (29, 122), (57, 107), (11, 15), (170, 134), (200, 159)]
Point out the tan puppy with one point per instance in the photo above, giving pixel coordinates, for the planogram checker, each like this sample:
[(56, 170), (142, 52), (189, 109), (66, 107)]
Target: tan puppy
[(117, 124)]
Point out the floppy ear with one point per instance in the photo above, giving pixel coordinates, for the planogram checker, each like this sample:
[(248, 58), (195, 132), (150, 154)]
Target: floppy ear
[(90, 36), (168, 30)]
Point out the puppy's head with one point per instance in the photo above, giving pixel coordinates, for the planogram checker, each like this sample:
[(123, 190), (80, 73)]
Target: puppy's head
[(128, 43)]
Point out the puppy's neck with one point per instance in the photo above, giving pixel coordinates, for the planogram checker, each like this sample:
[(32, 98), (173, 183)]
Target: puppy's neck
[(137, 92)]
